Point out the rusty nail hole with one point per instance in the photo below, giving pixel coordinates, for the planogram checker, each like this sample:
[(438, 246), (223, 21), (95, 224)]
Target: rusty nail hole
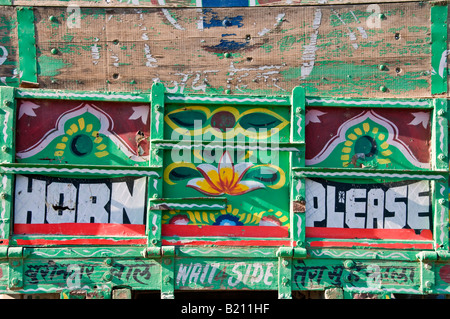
[(398, 70), (397, 36), (116, 76), (115, 42), (248, 37), (249, 59)]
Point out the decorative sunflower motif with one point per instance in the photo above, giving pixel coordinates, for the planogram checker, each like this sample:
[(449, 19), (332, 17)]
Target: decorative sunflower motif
[(81, 139), (224, 179), (366, 145), (230, 216)]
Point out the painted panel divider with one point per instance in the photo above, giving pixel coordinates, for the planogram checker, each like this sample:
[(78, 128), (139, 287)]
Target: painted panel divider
[(155, 190), (7, 142), (440, 128), (27, 45), (297, 160), (439, 38)]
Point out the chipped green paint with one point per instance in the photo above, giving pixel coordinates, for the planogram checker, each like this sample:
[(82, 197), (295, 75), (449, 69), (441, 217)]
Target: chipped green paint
[(27, 44), (439, 37), (50, 66), (347, 78)]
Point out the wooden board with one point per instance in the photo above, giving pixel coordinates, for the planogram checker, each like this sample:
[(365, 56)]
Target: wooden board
[(197, 3), (329, 50), (9, 60)]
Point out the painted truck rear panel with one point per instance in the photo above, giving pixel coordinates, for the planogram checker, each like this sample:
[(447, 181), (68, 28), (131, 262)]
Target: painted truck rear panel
[(180, 146)]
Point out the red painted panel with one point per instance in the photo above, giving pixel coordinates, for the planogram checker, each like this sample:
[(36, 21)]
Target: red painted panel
[(83, 229), (82, 241), (227, 231), (352, 233), (42, 123), (261, 243), (325, 244), (408, 131), (444, 274)]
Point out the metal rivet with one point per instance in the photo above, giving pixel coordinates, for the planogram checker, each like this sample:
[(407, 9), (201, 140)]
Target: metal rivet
[(154, 241), (107, 276), (14, 282), (441, 201), (441, 157), (441, 112), (108, 261), (54, 51), (4, 148), (3, 195), (383, 88), (228, 55), (382, 67), (53, 19), (428, 284), (349, 264), (7, 103)]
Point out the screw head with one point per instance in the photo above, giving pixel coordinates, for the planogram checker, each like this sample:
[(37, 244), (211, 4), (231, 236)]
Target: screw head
[(107, 276), (349, 264)]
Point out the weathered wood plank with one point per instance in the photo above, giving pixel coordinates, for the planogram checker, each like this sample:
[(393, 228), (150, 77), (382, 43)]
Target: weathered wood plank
[(329, 50), (9, 58), (196, 3)]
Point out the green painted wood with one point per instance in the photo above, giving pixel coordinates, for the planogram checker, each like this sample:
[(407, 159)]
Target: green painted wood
[(439, 50), (7, 118), (78, 270), (27, 44), (82, 95)]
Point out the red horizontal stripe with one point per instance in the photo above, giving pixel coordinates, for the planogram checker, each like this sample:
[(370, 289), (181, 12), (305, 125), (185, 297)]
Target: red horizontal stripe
[(263, 243), (324, 244), (75, 229), (83, 241), (227, 231), (353, 233)]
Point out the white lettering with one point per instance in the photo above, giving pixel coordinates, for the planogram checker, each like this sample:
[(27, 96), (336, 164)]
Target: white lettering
[(368, 206)]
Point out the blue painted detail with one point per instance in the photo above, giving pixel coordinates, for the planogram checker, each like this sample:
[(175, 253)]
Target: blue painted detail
[(228, 46), (224, 3), (228, 220), (216, 21), (228, 35)]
